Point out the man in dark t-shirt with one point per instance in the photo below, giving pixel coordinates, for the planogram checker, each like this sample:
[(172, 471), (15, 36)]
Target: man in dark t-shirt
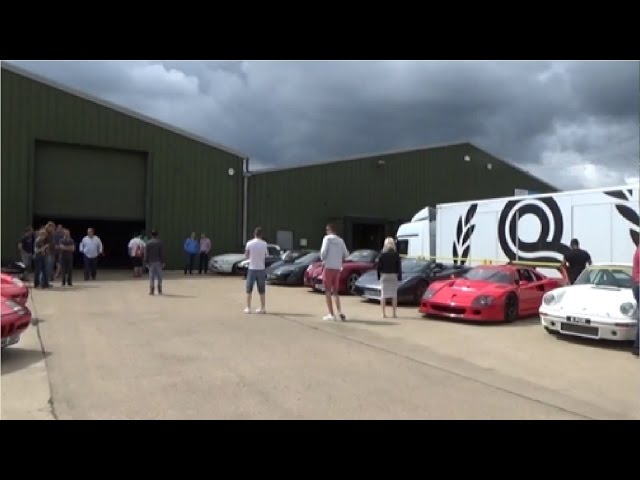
[(40, 250), (66, 246), (576, 261)]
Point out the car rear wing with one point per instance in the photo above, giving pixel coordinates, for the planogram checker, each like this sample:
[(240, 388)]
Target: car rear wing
[(550, 270)]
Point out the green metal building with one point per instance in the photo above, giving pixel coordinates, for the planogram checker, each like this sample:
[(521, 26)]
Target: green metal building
[(82, 162), (369, 197)]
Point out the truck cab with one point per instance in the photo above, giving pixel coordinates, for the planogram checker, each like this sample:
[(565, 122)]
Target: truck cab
[(417, 238)]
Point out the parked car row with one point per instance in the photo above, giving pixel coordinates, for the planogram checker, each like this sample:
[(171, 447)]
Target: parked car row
[(599, 305)]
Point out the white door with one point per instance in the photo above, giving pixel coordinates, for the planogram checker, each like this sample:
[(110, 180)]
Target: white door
[(591, 226)]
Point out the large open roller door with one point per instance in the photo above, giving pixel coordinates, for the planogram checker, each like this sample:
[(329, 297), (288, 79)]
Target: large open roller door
[(88, 182)]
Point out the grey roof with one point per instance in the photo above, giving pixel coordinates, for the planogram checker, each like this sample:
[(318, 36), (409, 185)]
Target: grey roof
[(395, 152), (38, 78)]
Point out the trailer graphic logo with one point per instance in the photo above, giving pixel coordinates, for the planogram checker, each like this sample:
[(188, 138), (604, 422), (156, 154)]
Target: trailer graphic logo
[(627, 213), (462, 242), (548, 247)]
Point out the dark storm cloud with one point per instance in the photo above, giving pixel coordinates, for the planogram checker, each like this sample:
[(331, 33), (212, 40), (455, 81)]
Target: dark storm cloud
[(574, 124)]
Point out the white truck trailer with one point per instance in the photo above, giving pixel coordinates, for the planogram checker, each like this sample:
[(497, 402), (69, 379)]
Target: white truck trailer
[(532, 228)]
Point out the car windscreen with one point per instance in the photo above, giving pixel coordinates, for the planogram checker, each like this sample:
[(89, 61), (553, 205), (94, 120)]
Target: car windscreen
[(619, 277), (362, 256), (308, 258), (489, 275), (291, 255), (413, 265)]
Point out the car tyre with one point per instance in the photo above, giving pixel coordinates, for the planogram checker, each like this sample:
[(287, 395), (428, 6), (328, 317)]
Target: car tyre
[(351, 283), (511, 308)]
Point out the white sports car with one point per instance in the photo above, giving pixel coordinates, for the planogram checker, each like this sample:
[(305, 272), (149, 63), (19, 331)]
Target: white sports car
[(599, 304)]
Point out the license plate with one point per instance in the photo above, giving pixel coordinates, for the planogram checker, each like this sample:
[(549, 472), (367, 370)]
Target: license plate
[(372, 293), (580, 329), (10, 340), (271, 277), (580, 320), (319, 286)]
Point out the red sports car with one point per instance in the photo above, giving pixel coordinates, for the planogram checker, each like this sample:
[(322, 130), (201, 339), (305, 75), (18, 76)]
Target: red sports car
[(490, 293), (357, 263), (14, 288), (15, 320)]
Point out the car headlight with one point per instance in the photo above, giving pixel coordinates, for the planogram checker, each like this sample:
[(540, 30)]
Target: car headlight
[(552, 298), (17, 308), (429, 294), (482, 301), (627, 309)]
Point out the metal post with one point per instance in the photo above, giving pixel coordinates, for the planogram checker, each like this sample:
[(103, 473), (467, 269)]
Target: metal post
[(517, 235), (245, 196)]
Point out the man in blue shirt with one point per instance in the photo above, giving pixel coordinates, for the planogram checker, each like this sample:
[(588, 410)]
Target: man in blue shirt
[(191, 250)]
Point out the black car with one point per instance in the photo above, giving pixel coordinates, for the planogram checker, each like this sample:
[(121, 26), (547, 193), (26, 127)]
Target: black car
[(14, 268), (417, 274), (291, 273)]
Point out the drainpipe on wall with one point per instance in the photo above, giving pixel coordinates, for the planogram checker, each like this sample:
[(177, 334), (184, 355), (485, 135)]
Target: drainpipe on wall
[(245, 196)]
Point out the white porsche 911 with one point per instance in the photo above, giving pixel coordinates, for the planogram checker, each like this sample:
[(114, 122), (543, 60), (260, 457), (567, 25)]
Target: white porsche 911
[(599, 304)]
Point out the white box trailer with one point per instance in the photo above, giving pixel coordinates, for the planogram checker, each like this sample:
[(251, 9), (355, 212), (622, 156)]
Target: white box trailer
[(536, 228)]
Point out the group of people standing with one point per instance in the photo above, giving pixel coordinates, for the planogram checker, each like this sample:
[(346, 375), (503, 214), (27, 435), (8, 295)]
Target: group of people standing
[(197, 252), (49, 251), (333, 254)]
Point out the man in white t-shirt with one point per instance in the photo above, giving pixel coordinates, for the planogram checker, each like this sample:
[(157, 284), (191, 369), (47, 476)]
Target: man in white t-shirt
[(256, 251), (136, 252)]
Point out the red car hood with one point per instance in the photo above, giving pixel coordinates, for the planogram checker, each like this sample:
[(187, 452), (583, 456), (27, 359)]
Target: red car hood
[(463, 291)]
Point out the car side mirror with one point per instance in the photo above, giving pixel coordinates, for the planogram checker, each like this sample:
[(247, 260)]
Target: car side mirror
[(523, 283), (517, 282)]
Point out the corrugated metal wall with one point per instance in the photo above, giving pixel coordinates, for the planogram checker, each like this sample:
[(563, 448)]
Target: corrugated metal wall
[(188, 183), (304, 199)]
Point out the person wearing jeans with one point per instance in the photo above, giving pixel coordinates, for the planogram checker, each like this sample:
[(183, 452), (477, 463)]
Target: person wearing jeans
[(66, 247), (40, 247), (154, 259), (191, 251), (635, 276)]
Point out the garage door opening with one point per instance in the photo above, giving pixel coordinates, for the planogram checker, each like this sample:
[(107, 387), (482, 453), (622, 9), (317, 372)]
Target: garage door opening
[(115, 236), (369, 236)]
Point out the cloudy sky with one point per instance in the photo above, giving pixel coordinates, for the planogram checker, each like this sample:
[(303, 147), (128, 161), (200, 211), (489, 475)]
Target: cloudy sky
[(574, 124)]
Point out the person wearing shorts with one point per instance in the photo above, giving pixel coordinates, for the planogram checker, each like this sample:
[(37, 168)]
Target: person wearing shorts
[(256, 251), (332, 253), (136, 252)]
